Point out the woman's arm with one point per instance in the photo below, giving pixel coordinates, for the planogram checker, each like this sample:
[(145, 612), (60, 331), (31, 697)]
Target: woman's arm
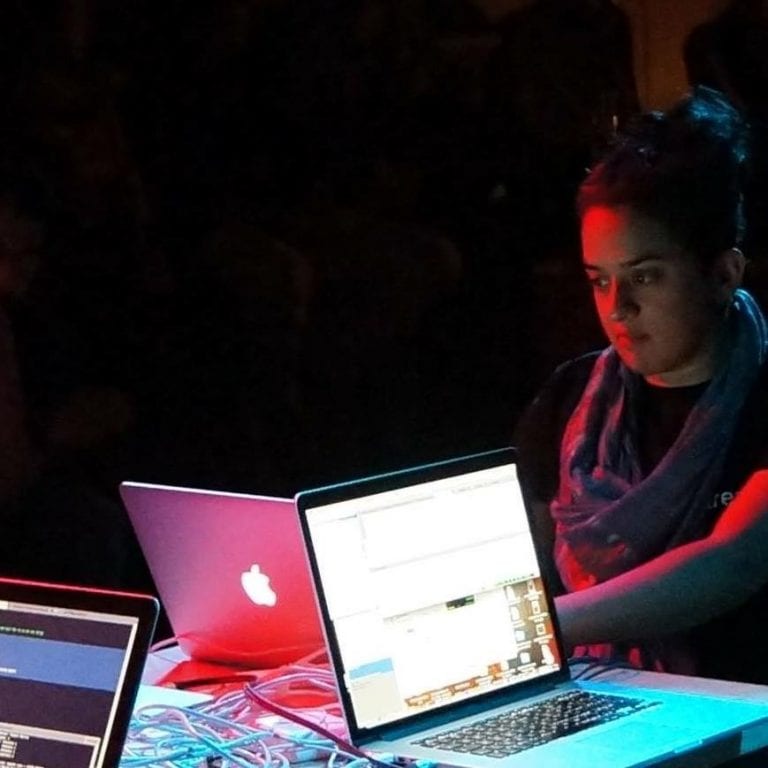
[(683, 587)]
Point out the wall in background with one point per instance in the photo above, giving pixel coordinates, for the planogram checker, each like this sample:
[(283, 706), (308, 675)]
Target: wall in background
[(659, 29)]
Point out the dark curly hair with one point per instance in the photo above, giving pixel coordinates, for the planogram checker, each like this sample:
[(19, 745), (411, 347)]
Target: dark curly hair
[(685, 168)]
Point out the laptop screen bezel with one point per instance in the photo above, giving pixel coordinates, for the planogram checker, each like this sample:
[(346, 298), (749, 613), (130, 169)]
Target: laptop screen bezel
[(307, 500), (143, 608)]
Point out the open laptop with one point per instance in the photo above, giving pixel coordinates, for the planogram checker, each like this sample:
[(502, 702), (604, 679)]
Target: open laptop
[(437, 617), (70, 664), (230, 571)]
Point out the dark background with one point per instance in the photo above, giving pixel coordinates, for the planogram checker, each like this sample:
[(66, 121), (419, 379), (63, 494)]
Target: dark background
[(261, 246)]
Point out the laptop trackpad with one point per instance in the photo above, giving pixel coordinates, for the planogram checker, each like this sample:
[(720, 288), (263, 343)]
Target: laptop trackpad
[(644, 741)]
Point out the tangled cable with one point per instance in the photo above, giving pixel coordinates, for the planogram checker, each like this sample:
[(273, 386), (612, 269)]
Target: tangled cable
[(256, 724)]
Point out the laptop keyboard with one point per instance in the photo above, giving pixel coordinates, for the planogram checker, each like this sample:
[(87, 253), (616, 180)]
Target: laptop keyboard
[(535, 724)]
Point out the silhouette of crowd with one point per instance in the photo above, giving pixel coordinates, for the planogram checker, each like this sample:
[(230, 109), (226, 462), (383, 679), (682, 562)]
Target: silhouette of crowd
[(261, 246)]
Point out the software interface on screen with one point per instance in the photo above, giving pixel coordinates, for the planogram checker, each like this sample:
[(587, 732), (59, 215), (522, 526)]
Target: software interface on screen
[(60, 675), (434, 593)]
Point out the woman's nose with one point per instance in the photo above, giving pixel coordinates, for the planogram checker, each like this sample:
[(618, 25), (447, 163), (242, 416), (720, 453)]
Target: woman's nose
[(623, 302)]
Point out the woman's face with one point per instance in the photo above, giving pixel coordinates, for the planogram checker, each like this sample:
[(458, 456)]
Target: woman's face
[(661, 311)]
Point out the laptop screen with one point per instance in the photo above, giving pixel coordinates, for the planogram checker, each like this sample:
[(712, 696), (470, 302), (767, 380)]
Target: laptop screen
[(432, 592), (70, 662)]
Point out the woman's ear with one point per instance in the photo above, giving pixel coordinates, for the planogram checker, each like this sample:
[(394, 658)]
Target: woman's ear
[(728, 272)]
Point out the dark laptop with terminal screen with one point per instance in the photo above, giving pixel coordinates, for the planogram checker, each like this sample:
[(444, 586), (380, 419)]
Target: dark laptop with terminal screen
[(444, 641), (70, 664)]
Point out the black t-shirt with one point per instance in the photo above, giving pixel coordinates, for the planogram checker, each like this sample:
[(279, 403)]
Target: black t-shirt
[(731, 646)]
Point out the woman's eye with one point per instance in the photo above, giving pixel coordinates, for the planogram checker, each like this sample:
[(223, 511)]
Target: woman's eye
[(598, 282), (643, 278)]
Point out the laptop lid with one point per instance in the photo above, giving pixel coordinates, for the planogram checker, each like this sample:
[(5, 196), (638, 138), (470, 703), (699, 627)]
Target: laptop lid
[(70, 664), (230, 571), (431, 594)]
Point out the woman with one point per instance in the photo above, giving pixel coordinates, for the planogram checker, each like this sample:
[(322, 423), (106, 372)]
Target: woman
[(643, 463)]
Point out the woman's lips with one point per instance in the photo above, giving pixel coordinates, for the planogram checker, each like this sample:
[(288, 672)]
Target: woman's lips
[(626, 339)]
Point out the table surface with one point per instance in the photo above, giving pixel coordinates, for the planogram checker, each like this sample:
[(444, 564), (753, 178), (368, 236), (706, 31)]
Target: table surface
[(170, 667)]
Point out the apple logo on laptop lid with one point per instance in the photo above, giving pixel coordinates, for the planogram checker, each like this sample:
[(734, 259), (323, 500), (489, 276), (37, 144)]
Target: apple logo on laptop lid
[(257, 587)]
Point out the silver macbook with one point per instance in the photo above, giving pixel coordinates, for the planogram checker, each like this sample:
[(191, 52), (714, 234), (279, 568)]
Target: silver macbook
[(444, 641), (230, 571)]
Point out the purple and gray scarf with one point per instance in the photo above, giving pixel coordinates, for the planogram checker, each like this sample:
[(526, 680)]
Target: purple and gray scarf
[(609, 517)]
